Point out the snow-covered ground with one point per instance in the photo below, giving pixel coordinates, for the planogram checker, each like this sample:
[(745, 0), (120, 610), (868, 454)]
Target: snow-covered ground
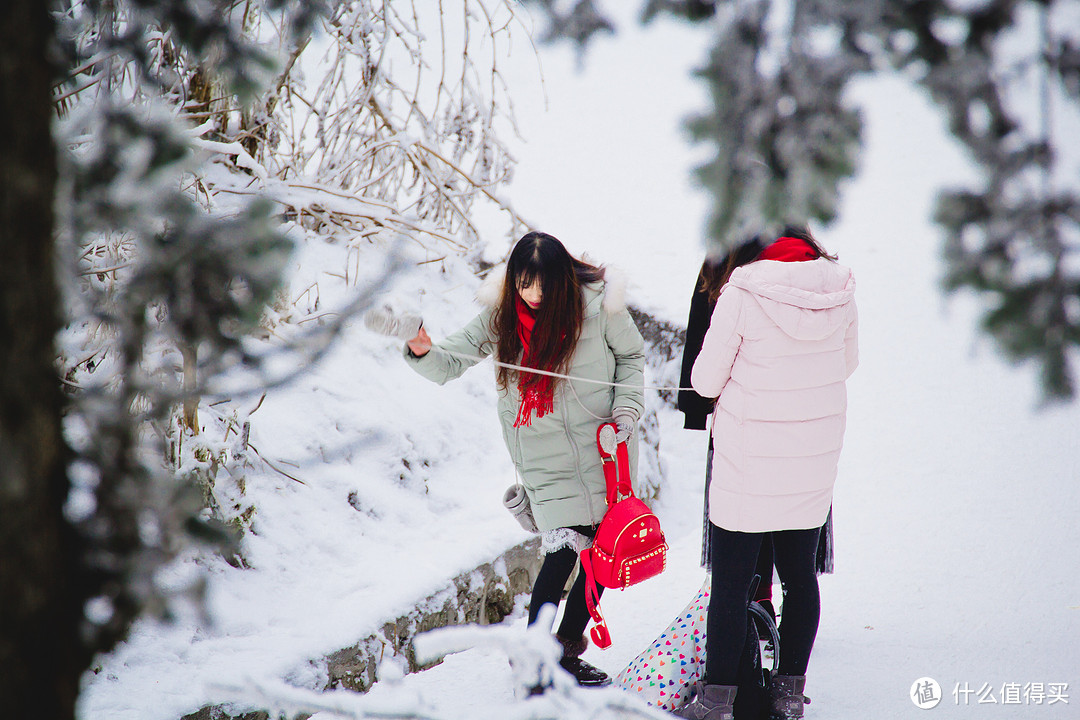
[(956, 542)]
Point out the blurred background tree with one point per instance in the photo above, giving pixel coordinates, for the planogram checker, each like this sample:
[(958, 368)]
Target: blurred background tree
[(106, 239), (1005, 74)]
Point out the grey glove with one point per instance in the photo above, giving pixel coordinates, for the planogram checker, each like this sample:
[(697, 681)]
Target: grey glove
[(626, 420), (385, 321), (517, 502)]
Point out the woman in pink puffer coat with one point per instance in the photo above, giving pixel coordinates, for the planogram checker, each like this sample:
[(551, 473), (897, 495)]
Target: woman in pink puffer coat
[(781, 344)]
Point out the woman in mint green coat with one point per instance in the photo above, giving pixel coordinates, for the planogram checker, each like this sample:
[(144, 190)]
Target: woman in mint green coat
[(555, 313)]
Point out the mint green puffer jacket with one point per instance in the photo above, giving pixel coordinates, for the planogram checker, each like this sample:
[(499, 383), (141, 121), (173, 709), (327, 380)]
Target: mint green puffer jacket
[(556, 455)]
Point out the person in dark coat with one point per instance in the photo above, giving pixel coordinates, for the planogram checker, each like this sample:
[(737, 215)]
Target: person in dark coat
[(697, 409)]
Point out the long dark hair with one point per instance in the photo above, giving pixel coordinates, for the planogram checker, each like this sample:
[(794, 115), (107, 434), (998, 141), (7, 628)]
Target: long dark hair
[(539, 256), (715, 272)]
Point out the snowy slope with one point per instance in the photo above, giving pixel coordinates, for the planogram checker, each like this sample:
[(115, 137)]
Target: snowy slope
[(388, 472), (956, 547)]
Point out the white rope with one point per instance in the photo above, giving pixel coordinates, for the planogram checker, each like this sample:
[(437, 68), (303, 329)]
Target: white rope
[(536, 371)]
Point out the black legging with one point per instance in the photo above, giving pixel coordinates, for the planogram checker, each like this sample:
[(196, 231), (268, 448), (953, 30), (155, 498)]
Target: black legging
[(734, 556), (549, 585)]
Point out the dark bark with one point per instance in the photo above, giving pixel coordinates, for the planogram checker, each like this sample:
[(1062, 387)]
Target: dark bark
[(40, 606)]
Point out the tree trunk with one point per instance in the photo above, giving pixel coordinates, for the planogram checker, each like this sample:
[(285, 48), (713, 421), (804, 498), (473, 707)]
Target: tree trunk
[(40, 607)]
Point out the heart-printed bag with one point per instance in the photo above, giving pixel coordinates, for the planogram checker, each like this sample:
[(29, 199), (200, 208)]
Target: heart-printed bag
[(666, 670)]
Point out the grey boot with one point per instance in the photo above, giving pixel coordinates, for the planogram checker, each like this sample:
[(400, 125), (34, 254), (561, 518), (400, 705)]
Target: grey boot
[(711, 702), (786, 697)]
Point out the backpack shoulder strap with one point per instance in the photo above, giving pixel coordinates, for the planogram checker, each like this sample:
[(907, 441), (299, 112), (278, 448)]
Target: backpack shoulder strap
[(599, 632)]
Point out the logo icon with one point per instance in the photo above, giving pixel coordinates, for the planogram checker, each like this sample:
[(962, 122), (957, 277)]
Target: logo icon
[(925, 693)]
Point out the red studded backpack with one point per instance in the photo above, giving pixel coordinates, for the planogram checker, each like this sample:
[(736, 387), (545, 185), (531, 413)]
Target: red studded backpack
[(629, 546)]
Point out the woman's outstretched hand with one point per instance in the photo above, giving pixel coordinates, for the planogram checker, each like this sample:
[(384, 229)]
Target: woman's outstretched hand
[(385, 320), (420, 344), (410, 328)]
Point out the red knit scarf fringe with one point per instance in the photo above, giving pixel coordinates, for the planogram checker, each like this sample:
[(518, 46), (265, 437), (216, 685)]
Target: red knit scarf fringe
[(537, 391)]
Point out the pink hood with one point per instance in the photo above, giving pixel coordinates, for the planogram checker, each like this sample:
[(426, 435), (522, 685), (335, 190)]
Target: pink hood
[(790, 293)]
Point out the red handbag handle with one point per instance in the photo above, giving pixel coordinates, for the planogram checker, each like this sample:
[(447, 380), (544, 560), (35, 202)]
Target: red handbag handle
[(616, 468), (617, 477)]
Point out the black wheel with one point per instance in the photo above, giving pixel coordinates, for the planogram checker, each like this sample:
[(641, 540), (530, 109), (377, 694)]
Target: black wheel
[(762, 619)]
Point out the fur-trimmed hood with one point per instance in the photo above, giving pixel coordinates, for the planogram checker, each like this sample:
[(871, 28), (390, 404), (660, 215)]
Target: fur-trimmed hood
[(614, 288)]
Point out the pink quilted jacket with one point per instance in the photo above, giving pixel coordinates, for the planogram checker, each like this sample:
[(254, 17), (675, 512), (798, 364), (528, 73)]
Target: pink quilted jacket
[(781, 344)]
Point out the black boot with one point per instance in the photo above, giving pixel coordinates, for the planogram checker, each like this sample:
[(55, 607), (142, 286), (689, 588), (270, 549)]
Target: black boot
[(586, 675), (786, 697)]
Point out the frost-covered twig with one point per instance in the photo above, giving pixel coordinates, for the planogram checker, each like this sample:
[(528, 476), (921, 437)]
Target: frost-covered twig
[(376, 126)]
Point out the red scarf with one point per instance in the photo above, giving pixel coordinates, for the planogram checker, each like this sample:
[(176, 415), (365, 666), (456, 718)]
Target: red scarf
[(788, 249), (537, 392)]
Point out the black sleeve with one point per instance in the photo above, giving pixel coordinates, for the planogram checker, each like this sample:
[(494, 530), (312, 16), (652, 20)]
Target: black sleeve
[(696, 408)]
